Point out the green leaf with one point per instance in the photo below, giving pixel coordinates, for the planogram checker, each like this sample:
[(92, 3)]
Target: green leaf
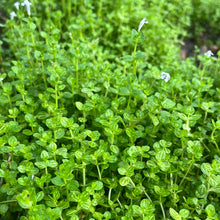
[(139, 165), (56, 194), (182, 116), (51, 163), (133, 151), (206, 168), (29, 118), (2, 173), (145, 203), (140, 55), (174, 214), (64, 122), (195, 117), (184, 213), (44, 155), (161, 155), (161, 191), (74, 196), (136, 210), (164, 165), (3, 209), (157, 190), (62, 152), (124, 181), (41, 165), (32, 26), (98, 185), (201, 191), (27, 132), (24, 181), (127, 58), (26, 199), (154, 119), (58, 181), (210, 210), (124, 91), (13, 142), (72, 185), (214, 180), (85, 204), (60, 132), (168, 104), (79, 105), (37, 54), (40, 196), (122, 170), (114, 149)]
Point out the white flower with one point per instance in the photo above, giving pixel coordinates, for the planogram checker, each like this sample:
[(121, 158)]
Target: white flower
[(16, 4), (165, 76), (209, 53), (28, 6), (1, 79), (143, 21), (12, 15)]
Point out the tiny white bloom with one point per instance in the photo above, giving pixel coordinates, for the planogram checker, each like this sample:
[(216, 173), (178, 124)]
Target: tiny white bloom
[(16, 4), (1, 79), (209, 53), (143, 21), (165, 76), (28, 6), (12, 15)]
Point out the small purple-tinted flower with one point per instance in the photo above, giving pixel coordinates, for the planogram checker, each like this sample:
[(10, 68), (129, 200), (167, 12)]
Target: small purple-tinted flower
[(32, 176), (16, 4), (12, 15), (1, 79), (143, 21), (27, 4), (209, 53), (165, 76)]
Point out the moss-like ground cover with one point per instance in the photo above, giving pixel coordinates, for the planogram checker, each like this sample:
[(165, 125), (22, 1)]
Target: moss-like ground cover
[(100, 118)]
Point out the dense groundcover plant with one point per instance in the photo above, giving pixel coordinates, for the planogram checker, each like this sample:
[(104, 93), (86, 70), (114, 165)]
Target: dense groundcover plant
[(100, 118)]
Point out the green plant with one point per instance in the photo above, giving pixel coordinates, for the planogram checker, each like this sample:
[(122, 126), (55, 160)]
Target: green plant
[(91, 127)]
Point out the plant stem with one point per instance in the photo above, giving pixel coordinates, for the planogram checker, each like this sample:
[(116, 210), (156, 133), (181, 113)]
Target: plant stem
[(84, 174), (208, 188), (100, 9), (186, 172), (213, 139), (132, 183), (43, 72), (77, 69), (202, 73), (109, 194), (133, 124), (147, 196), (8, 201), (206, 113), (134, 54), (56, 96), (100, 176), (9, 100), (69, 9), (164, 215), (32, 36), (129, 99), (119, 203)]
